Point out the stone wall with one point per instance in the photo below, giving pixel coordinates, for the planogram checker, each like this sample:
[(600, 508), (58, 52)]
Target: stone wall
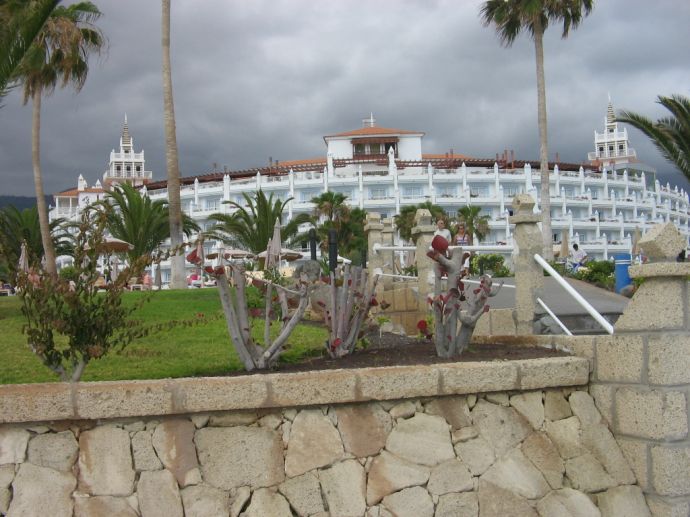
[(404, 310), (491, 439)]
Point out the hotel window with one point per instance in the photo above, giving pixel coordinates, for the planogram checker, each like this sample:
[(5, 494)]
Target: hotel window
[(378, 193), (413, 192), (306, 195), (569, 192), (446, 192), (359, 149), (511, 191), (212, 204), (478, 192)]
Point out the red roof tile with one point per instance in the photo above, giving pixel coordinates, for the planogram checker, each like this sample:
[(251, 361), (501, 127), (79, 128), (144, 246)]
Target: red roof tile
[(364, 131)]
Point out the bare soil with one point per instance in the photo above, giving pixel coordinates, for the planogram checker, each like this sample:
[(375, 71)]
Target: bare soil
[(394, 350)]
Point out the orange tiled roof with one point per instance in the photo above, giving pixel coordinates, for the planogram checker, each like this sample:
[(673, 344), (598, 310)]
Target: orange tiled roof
[(308, 161), (75, 192), (444, 156), (365, 131)]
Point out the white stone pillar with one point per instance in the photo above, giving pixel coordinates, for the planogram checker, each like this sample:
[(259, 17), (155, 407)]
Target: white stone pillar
[(557, 174), (226, 187), (196, 193), (581, 173), (627, 183), (463, 172), (258, 181), (528, 177), (325, 179), (360, 184)]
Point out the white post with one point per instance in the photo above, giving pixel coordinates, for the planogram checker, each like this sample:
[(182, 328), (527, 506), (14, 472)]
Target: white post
[(644, 186), (635, 206), (329, 164), (598, 230), (581, 172), (627, 184), (606, 183), (613, 205), (496, 179), (570, 224), (325, 179), (557, 174), (463, 171), (606, 247), (564, 208), (501, 196), (589, 203), (360, 183), (226, 187), (258, 181), (196, 193), (528, 177), (621, 221)]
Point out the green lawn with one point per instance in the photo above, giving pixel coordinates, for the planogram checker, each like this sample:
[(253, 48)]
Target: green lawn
[(182, 351)]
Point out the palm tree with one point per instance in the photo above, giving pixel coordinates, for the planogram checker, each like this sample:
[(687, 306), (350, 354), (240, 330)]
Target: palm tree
[(512, 16), (138, 220), (251, 225), (404, 221), (178, 280), (671, 135), (23, 226), (475, 224), (331, 205), (59, 52), (20, 23)]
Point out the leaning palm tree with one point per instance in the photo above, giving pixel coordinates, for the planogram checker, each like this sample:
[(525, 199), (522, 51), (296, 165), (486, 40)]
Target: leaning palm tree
[(20, 23), (17, 226), (331, 205), (512, 16), (404, 221), (475, 224), (177, 262), (251, 225), (671, 135), (139, 220), (59, 53)]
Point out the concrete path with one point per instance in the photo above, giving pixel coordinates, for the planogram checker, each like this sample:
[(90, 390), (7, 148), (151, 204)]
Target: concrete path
[(560, 302)]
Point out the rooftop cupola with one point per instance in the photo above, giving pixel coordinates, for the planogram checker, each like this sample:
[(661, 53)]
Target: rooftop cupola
[(369, 122), (126, 143)]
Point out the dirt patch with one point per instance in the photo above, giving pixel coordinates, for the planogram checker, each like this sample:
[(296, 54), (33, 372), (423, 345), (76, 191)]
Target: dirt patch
[(394, 350)]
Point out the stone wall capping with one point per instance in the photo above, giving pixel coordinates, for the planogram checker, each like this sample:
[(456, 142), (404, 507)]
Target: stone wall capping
[(125, 399), (658, 269)]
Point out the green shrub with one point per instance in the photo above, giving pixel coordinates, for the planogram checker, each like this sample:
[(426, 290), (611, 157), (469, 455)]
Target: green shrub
[(597, 272), (493, 263), (69, 273)]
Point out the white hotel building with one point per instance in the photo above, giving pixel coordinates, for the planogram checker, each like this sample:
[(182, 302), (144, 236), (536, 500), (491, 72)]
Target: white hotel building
[(598, 205)]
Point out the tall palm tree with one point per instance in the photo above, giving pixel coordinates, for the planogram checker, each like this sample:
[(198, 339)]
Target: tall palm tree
[(671, 135), (511, 17), (331, 205), (20, 23), (59, 53), (23, 226), (178, 280), (251, 225), (475, 224), (138, 220), (404, 221)]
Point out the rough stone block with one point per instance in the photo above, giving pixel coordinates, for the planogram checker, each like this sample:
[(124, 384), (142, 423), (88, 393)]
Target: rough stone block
[(173, 441), (623, 501), (501, 426), (388, 474), (116, 399), (600, 442), (35, 402), (142, 451), (232, 457), (411, 299), (304, 494), (567, 503), (103, 506), (13, 443), (458, 505), (422, 439), (453, 408), (219, 393), (603, 395), (310, 388), (587, 474), (450, 476), (204, 501), (396, 382), (583, 408), (344, 486), (515, 473), (410, 502), (478, 377), (663, 242), (566, 434), (670, 467), (636, 454), (657, 304), (483, 326), (665, 508), (669, 359), (495, 501), (651, 414), (502, 322), (556, 371), (541, 451), (530, 406), (105, 462), (555, 405), (54, 450), (159, 495), (620, 358), (41, 491), (314, 442), (477, 454), (363, 428), (232, 418)]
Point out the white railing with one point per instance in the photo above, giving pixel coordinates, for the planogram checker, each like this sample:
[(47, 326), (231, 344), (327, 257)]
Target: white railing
[(572, 292)]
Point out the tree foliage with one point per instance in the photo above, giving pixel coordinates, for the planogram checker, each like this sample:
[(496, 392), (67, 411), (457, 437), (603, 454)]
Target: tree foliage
[(671, 135), (475, 223), (139, 220), (251, 225), (404, 221)]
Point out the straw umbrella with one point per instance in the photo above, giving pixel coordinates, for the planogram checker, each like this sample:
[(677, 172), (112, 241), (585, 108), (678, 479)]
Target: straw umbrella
[(274, 247), (158, 281), (565, 250)]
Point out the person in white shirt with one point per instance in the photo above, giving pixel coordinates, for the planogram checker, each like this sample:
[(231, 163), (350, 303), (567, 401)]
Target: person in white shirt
[(442, 230), (578, 257)]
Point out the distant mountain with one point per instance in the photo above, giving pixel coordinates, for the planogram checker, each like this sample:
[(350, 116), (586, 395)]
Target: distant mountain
[(21, 202)]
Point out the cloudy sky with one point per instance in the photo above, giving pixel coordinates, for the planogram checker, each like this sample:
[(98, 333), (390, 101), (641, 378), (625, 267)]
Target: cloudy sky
[(258, 79)]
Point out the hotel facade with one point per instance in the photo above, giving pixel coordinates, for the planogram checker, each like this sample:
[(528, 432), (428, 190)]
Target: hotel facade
[(598, 204)]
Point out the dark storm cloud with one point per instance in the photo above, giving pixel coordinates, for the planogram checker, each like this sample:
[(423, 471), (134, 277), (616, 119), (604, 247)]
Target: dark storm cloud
[(261, 79)]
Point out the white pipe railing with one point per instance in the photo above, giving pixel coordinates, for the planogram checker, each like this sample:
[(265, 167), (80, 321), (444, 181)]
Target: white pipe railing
[(572, 292), (504, 248), (555, 318)]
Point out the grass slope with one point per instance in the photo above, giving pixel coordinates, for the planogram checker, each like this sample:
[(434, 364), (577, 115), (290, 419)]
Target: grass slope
[(183, 351)]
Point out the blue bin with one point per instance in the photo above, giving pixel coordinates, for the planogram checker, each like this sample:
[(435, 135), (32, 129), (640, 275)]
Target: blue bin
[(622, 261)]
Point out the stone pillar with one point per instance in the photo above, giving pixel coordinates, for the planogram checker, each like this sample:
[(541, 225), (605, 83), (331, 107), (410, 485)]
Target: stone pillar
[(423, 231), (373, 230), (529, 277), (641, 379), (388, 257)]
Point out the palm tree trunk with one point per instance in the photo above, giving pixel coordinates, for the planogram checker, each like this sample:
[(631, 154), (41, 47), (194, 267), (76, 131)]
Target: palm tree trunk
[(178, 280), (543, 142), (46, 237)]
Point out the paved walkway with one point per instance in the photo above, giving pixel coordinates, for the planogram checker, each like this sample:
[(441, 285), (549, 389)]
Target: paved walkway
[(560, 302)]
